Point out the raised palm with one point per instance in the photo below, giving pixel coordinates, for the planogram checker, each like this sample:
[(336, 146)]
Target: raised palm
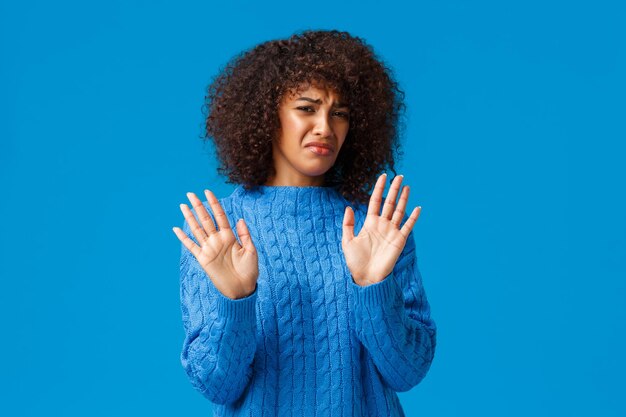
[(372, 254), (233, 268)]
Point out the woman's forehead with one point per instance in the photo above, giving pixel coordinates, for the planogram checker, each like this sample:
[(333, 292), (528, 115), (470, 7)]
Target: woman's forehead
[(312, 90)]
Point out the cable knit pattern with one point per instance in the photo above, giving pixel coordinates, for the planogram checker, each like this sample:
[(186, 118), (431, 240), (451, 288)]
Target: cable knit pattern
[(308, 341)]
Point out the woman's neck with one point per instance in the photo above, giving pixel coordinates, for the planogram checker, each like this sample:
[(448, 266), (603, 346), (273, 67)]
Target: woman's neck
[(296, 181)]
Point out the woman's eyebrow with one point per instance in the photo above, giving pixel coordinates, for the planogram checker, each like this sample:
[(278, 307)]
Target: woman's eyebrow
[(318, 101)]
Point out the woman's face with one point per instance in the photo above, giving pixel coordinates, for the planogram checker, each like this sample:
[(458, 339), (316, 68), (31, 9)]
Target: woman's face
[(310, 118)]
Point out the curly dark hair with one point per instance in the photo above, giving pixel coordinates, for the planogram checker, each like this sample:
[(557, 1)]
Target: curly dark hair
[(243, 101)]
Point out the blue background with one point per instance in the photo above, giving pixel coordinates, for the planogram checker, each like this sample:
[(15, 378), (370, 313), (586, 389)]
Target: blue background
[(514, 148)]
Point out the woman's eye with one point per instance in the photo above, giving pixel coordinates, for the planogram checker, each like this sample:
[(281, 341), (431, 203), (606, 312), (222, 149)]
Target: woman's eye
[(309, 109)]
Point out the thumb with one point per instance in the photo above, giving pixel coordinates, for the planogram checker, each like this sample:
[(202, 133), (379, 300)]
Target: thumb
[(244, 235), (348, 225)]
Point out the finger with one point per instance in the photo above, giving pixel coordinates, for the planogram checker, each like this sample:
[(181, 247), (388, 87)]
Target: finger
[(348, 225), (220, 216), (202, 213), (188, 242), (244, 235), (195, 228), (398, 215), (410, 222), (390, 201), (377, 196)]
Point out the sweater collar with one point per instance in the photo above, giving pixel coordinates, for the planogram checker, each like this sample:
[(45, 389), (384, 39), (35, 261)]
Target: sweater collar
[(284, 200)]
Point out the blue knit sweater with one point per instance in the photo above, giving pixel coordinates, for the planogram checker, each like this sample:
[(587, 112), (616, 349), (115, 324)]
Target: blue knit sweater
[(308, 341)]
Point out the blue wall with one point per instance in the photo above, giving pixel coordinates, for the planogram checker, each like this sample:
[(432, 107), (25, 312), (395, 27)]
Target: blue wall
[(514, 148)]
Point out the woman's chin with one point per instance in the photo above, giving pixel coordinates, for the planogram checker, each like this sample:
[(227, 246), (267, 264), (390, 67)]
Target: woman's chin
[(316, 172)]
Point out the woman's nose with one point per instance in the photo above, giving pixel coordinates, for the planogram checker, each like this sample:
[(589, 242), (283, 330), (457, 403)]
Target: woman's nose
[(322, 125)]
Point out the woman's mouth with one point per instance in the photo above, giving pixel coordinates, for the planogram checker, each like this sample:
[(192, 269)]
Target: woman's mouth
[(321, 149)]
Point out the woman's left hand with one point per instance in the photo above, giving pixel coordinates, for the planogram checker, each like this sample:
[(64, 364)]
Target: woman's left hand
[(372, 254)]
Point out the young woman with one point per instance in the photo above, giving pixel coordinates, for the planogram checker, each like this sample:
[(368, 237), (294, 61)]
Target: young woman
[(290, 312)]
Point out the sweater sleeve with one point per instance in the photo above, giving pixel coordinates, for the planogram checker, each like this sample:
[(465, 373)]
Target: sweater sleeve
[(220, 333), (392, 320)]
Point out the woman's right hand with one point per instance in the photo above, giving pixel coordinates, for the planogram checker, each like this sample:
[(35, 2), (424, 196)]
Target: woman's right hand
[(233, 268)]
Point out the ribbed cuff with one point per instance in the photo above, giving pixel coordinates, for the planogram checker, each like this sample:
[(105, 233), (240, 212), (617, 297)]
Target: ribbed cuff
[(382, 293), (240, 309)]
